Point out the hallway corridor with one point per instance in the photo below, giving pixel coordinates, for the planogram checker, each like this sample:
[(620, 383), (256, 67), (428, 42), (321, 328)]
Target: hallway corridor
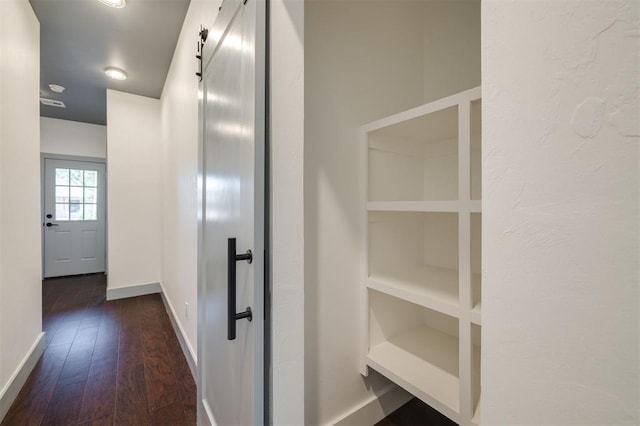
[(106, 363)]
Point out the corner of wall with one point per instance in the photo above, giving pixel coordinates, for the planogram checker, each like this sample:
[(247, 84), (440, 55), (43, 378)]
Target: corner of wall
[(287, 211), (185, 345), (20, 245), (375, 408), (19, 377)]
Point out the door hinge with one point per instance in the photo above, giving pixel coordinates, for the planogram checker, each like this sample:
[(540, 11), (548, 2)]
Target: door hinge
[(202, 38)]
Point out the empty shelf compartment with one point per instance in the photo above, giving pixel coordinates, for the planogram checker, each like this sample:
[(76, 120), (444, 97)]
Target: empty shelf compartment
[(414, 256), (416, 348), (416, 159)]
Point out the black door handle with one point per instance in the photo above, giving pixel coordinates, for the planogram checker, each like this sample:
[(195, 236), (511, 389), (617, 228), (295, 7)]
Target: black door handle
[(49, 224), (232, 316)]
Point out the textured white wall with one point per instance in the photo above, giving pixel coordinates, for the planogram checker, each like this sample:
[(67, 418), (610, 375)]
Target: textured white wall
[(20, 270), (179, 111), (134, 180), (560, 212), (72, 138), (287, 211)]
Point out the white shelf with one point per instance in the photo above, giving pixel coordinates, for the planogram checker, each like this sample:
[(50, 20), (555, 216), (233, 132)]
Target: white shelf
[(440, 104), (422, 229), (423, 361), (476, 415), (429, 286), (438, 125), (476, 316), (473, 206), (476, 288)]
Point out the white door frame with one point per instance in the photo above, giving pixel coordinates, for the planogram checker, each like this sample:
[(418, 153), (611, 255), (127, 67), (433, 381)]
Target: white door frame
[(47, 156)]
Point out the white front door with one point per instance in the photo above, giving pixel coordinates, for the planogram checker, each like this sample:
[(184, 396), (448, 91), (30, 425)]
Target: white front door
[(231, 293), (73, 217)]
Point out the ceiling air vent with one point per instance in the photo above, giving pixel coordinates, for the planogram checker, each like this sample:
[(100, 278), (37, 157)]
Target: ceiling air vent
[(52, 102)]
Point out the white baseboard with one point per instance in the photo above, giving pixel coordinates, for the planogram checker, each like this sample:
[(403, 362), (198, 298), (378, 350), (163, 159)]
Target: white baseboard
[(9, 393), (184, 344), (133, 291), (374, 408)]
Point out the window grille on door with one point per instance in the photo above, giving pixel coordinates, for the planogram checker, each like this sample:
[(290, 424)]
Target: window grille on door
[(76, 194)]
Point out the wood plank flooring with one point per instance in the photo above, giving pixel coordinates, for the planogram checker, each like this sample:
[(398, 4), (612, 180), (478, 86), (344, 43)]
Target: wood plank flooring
[(416, 413), (106, 363), (119, 363)]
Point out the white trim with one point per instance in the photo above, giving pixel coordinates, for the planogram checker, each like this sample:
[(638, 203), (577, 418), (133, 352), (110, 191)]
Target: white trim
[(9, 393), (207, 411), (182, 339), (438, 105), (374, 408), (48, 156), (133, 291), (474, 206)]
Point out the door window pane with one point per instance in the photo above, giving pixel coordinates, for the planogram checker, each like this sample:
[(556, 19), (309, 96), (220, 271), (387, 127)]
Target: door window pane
[(62, 211), (77, 194), (90, 195), (62, 194), (76, 177), (76, 212), (90, 212), (62, 176), (90, 178)]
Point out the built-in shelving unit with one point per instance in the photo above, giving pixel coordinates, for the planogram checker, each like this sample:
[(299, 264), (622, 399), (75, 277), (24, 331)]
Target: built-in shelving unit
[(422, 252)]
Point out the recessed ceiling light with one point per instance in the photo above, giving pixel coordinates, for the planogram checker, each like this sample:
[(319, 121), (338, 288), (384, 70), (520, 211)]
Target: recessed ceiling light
[(56, 88), (116, 74), (52, 102), (114, 3)]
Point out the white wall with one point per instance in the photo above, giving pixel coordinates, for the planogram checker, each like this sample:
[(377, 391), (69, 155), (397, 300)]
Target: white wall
[(561, 224), (363, 61), (179, 111), (20, 270), (134, 180), (72, 138), (451, 47), (287, 85)]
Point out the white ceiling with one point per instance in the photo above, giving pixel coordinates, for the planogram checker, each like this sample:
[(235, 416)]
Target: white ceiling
[(80, 38)]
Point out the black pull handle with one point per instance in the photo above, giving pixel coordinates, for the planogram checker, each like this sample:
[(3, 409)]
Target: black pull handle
[(232, 316), (49, 224)]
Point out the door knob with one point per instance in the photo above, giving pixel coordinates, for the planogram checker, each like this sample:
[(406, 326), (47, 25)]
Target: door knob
[(49, 224)]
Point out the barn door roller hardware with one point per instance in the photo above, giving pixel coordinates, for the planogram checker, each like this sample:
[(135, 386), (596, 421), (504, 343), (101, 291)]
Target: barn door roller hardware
[(202, 38)]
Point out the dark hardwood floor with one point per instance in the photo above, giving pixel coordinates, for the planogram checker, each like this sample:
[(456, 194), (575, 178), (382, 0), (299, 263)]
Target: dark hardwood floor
[(119, 363), (106, 363), (416, 413)]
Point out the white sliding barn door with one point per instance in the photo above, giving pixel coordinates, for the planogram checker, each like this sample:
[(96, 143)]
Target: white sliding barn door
[(231, 287)]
